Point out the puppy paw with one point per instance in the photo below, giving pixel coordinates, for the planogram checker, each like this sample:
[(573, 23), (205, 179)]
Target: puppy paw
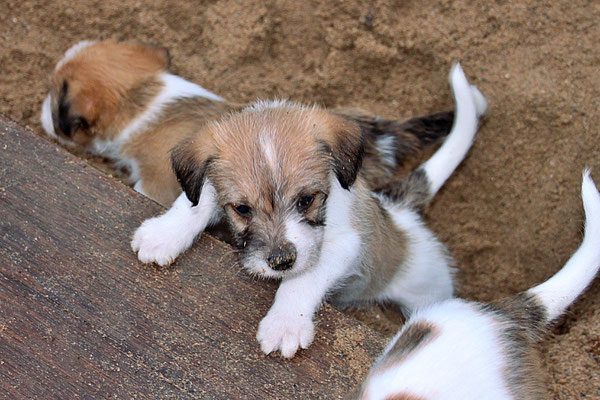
[(285, 333), (157, 241)]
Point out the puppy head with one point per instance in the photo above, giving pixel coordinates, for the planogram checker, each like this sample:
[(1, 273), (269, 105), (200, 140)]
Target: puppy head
[(273, 166), (91, 86)]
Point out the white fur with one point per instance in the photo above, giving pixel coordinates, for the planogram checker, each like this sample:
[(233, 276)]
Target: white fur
[(266, 142), (426, 276), (174, 88), (306, 241), (465, 361), (46, 117), (72, 52), (161, 239), (288, 324), (387, 149), (470, 104), (558, 292), (261, 105)]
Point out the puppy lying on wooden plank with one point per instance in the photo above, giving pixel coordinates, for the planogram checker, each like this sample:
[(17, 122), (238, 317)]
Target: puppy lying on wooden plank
[(118, 100), (288, 180), (466, 350)]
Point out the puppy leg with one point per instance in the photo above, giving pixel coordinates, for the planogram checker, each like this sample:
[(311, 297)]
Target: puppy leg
[(163, 238), (289, 323)]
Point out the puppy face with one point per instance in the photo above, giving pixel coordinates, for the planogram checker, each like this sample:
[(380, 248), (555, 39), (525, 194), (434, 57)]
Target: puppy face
[(97, 88), (273, 169)]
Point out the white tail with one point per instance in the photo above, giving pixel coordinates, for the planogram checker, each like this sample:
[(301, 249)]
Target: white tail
[(470, 105), (558, 292)]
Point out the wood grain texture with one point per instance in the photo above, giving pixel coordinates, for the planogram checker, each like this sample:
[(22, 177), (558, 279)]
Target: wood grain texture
[(80, 317)]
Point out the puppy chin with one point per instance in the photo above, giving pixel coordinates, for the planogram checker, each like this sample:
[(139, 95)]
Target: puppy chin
[(258, 266)]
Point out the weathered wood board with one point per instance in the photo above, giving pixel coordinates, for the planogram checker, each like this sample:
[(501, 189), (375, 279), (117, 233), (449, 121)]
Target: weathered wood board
[(80, 317)]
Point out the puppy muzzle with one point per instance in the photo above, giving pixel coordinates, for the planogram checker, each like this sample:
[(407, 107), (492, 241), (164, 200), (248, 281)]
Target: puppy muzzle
[(282, 258)]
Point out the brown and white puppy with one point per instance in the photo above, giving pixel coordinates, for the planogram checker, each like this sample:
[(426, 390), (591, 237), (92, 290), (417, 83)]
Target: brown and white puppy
[(117, 99), (461, 350), (288, 180)]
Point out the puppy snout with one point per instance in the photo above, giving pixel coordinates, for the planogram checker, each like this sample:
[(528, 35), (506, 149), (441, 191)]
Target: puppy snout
[(282, 258)]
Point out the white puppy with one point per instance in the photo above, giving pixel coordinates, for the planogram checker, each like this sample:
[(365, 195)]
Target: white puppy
[(465, 350), (289, 182)]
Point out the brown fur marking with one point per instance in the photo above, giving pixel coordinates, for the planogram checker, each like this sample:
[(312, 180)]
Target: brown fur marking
[(414, 338), (384, 253), (409, 137), (522, 322)]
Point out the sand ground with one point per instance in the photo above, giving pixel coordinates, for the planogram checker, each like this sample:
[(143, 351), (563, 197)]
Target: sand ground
[(511, 215)]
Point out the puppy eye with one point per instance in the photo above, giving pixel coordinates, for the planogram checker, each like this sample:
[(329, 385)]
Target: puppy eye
[(243, 210), (304, 202), (81, 123)]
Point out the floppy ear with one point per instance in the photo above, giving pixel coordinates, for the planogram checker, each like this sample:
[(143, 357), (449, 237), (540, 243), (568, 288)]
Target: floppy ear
[(190, 160), (344, 143)]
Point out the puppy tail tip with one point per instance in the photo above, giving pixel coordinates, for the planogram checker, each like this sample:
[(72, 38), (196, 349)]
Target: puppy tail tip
[(562, 289)]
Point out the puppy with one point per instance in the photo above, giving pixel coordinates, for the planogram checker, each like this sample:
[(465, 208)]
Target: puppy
[(465, 350), (288, 180), (116, 99)]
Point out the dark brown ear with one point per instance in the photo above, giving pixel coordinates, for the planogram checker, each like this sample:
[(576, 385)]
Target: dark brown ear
[(343, 141), (190, 161)]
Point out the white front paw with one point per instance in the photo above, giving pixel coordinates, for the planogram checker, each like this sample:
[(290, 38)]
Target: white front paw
[(156, 240), (285, 332)]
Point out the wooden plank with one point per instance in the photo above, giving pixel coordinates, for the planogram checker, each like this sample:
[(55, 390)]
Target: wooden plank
[(80, 317)]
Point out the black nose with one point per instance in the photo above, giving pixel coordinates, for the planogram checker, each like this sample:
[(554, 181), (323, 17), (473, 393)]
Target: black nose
[(282, 258)]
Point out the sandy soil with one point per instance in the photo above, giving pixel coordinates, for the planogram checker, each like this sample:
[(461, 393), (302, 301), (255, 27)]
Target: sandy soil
[(511, 214)]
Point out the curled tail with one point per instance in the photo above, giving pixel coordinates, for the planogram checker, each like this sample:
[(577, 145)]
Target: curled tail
[(423, 183), (558, 292)]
